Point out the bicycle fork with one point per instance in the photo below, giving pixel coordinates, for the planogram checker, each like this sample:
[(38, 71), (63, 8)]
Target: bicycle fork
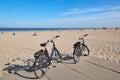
[(57, 53)]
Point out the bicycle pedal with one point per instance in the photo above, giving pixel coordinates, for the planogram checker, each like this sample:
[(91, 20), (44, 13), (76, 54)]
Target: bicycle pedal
[(48, 67)]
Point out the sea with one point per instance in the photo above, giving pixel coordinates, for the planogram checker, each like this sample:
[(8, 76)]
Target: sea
[(40, 29)]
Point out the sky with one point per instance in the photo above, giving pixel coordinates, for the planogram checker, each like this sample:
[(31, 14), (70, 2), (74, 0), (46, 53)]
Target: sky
[(59, 13)]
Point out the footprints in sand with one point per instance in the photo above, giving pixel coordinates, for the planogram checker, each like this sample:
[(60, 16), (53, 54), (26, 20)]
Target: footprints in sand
[(109, 50)]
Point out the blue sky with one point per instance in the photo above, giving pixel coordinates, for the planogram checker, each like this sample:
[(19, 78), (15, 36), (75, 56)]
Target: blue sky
[(60, 13)]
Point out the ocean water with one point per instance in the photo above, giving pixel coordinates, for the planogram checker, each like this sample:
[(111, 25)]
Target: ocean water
[(38, 29)]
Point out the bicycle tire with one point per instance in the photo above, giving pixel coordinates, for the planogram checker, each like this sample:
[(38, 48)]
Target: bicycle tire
[(85, 50), (40, 69), (76, 54)]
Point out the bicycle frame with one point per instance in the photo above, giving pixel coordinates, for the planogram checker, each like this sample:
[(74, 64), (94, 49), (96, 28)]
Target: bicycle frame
[(82, 38), (53, 48)]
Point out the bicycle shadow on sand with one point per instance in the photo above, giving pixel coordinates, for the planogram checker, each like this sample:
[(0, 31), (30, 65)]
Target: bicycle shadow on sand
[(24, 71), (67, 59)]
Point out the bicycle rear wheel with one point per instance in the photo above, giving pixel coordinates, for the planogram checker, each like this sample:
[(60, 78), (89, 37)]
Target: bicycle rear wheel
[(85, 50), (40, 68), (76, 54)]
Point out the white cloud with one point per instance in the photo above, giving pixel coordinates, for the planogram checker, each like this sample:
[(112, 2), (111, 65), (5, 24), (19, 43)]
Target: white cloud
[(104, 17), (108, 18), (76, 11), (71, 12)]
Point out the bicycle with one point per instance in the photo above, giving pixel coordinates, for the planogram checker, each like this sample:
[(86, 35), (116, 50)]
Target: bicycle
[(43, 60), (80, 49)]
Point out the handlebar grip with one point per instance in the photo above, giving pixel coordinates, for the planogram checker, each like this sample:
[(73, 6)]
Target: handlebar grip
[(48, 41), (85, 35), (57, 36)]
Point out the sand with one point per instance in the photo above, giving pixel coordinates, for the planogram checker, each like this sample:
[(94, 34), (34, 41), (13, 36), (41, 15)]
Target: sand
[(16, 49)]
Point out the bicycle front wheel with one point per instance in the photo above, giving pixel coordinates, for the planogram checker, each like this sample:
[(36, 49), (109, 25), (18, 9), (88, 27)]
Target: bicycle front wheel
[(40, 68), (85, 50), (76, 54)]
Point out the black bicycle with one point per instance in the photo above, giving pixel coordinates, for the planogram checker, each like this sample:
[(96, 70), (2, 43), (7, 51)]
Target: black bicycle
[(80, 49), (43, 60)]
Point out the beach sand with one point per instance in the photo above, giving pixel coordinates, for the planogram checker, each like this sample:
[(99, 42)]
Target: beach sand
[(14, 49)]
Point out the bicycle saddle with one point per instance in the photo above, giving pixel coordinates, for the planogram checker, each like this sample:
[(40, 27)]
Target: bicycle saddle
[(76, 44), (43, 44)]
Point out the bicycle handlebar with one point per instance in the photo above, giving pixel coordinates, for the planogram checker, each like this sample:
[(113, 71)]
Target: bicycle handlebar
[(85, 35), (81, 38), (56, 37), (51, 40)]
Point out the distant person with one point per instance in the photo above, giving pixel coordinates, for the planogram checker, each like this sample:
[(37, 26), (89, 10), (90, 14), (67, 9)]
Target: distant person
[(14, 34), (2, 33), (35, 34), (59, 31), (116, 28)]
